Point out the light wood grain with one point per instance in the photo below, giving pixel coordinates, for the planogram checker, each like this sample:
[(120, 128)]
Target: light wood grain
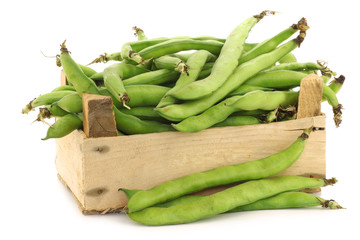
[(310, 96), (98, 116), (63, 78), (145, 160), (95, 168)]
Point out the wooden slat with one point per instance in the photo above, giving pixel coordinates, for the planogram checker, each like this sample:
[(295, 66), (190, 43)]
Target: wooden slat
[(309, 103), (63, 79), (98, 116), (143, 161)]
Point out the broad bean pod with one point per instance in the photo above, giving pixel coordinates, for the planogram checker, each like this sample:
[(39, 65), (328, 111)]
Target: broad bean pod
[(224, 64), (75, 75), (251, 101), (64, 125), (225, 200), (257, 169), (178, 112)]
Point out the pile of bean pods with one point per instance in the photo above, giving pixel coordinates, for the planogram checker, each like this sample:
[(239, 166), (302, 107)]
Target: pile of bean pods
[(171, 202), (190, 83)]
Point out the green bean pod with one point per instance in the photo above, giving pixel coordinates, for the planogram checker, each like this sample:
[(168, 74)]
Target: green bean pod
[(63, 126), (280, 79), (64, 88), (178, 112), (71, 103), (270, 44), (177, 45), (284, 79), (288, 200), (46, 99), (196, 62), (115, 85), (153, 77), (295, 66), (224, 64), (128, 53), (288, 58), (225, 200), (257, 169), (283, 200), (243, 89), (144, 113), (337, 84), (132, 125), (238, 121), (140, 34), (75, 74), (333, 101), (145, 95), (50, 111), (171, 63), (88, 71), (250, 101)]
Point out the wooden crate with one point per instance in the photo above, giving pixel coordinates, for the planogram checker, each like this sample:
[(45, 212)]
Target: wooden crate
[(95, 168)]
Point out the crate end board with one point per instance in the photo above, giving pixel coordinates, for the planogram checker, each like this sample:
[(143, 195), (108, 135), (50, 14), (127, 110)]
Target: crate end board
[(95, 168)]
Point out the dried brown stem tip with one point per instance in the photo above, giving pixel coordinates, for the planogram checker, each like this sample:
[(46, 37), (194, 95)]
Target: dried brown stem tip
[(101, 59), (263, 14), (332, 204), (325, 71), (137, 30), (303, 27), (340, 79), (183, 68), (337, 115), (63, 48), (330, 181)]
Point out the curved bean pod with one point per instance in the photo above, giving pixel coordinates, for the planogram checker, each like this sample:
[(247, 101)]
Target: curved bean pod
[(333, 101), (144, 113), (224, 201), (63, 126), (270, 44), (295, 66), (145, 95), (153, 77), (171, 63), (196, 62), (238, 121), (113, 80), (50, 111), (46, 99), (280, 79), (224, 64), (132, 125), (177, 45), (64, 88), (71, 103), (139, 33), (337, 84), (75, 74), (243, 89), (257, 169), (250, 101), (284, 79), (283, 200), (178, 112), (288, 58)]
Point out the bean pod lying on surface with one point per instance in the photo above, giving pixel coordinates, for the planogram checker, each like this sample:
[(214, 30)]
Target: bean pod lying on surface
[(226, 200), (261, 168)]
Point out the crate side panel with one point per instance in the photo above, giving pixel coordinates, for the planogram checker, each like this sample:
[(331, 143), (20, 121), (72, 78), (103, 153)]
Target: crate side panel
[(143, 161), (69, 163)]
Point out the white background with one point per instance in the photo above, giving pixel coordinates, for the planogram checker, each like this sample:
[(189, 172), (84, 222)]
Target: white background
[(35, 205)]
